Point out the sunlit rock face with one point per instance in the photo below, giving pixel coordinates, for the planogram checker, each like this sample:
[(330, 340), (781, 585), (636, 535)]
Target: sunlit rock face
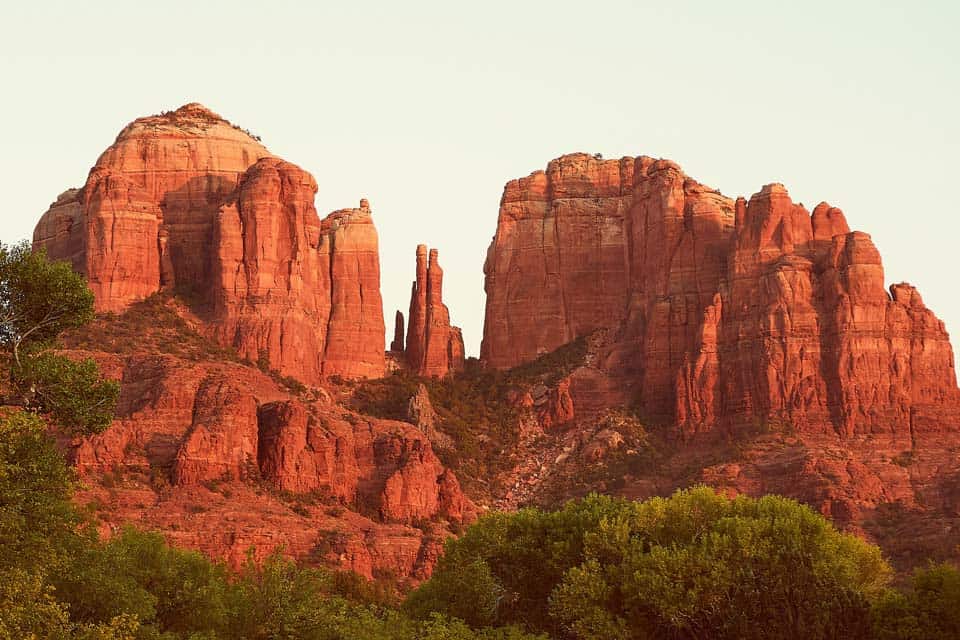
[(725, 314), (186, 201), (434, 347)]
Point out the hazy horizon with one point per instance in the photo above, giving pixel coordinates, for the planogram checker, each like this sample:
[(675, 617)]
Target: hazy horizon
[(427, 109)]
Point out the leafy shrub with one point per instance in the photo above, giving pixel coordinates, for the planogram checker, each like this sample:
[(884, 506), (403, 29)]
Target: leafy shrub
[(76, 397), (693, 565), (928, 610)]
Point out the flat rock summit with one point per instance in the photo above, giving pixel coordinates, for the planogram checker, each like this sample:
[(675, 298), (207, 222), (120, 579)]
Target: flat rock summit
[(725, 312)]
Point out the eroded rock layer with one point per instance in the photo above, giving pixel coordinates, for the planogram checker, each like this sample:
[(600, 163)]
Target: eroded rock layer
[(434, 347), (724, 314), (188, 201), (192, 440), (556, 268)]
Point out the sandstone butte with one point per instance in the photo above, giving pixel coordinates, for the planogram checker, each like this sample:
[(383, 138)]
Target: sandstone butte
[(713, 315), (722, 315), (433, 346), (186, 201)]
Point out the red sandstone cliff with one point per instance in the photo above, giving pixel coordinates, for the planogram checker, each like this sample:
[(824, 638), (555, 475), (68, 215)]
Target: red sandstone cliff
[(555, 269), (168, 171), (220, 457), (434, 347), (723, 314), (187, 201)]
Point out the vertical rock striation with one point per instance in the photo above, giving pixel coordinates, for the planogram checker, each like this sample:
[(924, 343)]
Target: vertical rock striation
[(163, 174), (434, 347), (355, 330), (724, 314), (557, 267), (187, 201)]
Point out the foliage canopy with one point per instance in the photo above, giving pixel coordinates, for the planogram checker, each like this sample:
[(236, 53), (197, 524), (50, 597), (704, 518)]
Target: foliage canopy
[(694, 565), (39, 300)]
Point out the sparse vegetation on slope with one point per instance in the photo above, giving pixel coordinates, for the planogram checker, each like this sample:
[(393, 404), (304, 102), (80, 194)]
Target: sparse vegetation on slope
[(473, 407), (153, 325)]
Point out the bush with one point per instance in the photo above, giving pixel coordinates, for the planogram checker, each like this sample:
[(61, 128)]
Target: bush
[(693, 565), (37, 520), (929, 610)]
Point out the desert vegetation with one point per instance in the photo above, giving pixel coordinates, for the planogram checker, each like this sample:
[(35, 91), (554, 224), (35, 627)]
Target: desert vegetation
[(472, 405), (698, 564)]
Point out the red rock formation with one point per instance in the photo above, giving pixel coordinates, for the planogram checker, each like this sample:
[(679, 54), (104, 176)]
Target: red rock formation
[(188, 201), (209, 422), (556, 268), (168, 171), (725, 314), (434, 348), (190, 436), (58, 230), (549, 407), (808, 335), (279, 287), (355, 333), (677, 233), (398, 333), (380, 462)]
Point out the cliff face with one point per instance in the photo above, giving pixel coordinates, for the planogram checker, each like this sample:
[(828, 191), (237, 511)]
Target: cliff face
[(808, 335), (168, 171), (723, 314), (219, 456), (557, 267), (434, 347), (187, 201)]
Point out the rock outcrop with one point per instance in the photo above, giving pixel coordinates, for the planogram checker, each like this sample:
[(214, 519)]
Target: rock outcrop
[(381, 463), (434, 347), (724, 314), (187, 201), (556, 268), (807, 334), (398, 332), (168, 171), (196, 440), (302, 293), (223, 422), (355, 337)]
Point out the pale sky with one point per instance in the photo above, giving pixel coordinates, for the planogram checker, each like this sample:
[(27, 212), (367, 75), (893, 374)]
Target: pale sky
[(428, 108)]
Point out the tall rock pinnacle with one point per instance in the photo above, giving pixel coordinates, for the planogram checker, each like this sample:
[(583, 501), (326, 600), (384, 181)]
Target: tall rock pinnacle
[(434, 347)]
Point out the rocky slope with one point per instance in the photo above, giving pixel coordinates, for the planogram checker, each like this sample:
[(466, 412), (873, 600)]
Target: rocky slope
[(724, 314), (188, 202), (221, 457)]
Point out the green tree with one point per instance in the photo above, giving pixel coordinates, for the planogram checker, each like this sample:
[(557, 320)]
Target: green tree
[(699, 565), (37, 519), (28, 608), (509, 564), (929, 610), (78, 400), (471, 593), (696, 565), (39, 300)]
